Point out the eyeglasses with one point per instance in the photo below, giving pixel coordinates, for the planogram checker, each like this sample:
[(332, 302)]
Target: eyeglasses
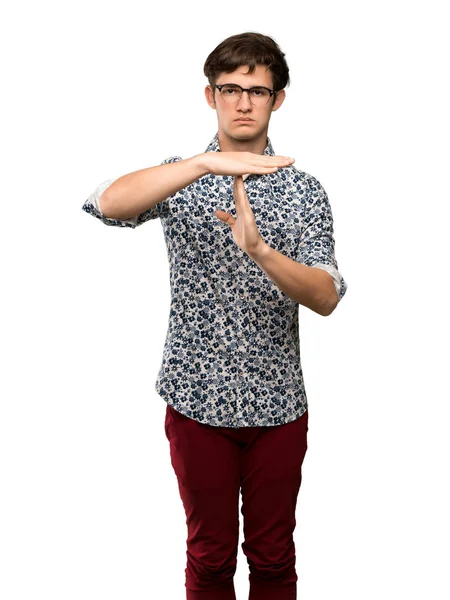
[(232, 93)]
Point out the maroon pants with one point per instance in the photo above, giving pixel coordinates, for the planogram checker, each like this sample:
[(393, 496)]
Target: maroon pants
[(212, 465)]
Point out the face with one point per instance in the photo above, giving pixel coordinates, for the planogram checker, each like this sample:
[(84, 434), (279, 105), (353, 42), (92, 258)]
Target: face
[(228, 115)]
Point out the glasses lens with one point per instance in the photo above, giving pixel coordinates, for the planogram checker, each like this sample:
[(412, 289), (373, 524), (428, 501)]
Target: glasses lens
[(231, 93), (259, 96)]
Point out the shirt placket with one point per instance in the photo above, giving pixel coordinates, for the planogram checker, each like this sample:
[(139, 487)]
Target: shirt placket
[(238, 347), (243, 332)]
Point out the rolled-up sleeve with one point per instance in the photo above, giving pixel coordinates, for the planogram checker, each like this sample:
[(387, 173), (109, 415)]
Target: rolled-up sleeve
[(92, 205), (316, 248)]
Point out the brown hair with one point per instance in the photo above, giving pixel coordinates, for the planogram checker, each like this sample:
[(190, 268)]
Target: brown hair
[(250, 49)]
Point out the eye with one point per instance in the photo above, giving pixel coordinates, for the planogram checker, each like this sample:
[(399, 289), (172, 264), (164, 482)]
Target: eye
[(259, 92), (229, 90)]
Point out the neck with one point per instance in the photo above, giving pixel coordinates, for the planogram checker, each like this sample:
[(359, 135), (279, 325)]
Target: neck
[(256, 145)]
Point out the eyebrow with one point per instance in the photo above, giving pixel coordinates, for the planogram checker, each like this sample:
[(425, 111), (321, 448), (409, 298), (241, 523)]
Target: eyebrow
[(253, 86)]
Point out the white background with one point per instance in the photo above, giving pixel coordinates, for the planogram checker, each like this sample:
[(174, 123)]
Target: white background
[(90, 506)]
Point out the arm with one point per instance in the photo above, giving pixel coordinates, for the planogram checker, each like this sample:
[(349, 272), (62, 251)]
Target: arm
[(313, 288), (312, 279), (141, 190), (142, 195)]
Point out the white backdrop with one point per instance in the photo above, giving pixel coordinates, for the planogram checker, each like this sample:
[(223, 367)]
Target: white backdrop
[(90, 506)]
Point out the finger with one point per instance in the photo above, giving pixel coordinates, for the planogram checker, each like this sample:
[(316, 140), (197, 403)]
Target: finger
[(259, 167), (239, 193), (225, 217), (239, 183), (263, 170), (236, 186), (270, 160)]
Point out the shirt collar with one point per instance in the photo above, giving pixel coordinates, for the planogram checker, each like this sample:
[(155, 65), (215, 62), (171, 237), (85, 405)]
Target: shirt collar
[(214, 146)]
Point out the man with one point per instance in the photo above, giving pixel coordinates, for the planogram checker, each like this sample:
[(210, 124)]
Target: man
[(242, 257)]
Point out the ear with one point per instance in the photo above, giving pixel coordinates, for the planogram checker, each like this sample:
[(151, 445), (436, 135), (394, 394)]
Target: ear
[(281, 95), (209, 93)]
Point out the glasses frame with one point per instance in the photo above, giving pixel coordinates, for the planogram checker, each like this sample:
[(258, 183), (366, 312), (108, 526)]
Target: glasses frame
[(271, 92)]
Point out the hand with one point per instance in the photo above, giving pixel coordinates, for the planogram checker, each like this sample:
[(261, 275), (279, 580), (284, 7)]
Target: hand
[(243, 227), (240, 163)]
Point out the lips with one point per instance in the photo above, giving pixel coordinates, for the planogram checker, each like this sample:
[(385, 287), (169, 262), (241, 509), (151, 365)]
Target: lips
[(249, 120)]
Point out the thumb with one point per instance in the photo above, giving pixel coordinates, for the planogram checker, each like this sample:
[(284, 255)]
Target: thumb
[(224, 216)]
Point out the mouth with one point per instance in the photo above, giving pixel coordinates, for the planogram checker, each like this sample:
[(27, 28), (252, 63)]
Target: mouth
[(244, 120)]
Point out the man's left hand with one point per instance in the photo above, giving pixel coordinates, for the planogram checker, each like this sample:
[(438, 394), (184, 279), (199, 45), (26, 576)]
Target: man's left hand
[(243, 227)]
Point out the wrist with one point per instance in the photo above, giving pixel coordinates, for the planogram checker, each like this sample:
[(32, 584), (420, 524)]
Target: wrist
[(201, 163), (260, 251)]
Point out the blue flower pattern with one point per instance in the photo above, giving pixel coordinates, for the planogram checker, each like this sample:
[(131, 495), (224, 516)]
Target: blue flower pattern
[(231, 356)]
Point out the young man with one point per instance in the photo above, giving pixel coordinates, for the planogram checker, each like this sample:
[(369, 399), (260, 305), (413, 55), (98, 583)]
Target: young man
[(242, 257)]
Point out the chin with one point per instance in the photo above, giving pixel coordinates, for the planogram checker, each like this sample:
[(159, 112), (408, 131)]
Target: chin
[(242, 131)]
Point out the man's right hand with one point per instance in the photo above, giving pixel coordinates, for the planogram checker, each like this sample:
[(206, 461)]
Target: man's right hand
[(241, 163)]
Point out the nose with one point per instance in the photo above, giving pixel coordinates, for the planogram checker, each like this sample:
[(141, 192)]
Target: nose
[(244, 101)]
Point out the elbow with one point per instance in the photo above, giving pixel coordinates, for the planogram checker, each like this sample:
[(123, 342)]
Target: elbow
[(104, 204), (328, 312), (330, 298), (329, 305), (327, 297)]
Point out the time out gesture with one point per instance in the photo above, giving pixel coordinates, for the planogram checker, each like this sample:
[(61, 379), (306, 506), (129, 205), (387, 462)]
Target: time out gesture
[(243, 227)]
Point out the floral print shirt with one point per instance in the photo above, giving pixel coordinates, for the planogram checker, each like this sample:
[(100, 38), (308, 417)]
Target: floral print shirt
[(231, 356)]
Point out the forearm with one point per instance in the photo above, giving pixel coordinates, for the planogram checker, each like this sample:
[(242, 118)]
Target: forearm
[(313, 288), (136, 192)]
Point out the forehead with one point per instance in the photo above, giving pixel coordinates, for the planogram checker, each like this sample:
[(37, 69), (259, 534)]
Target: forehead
[(260, 76)]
